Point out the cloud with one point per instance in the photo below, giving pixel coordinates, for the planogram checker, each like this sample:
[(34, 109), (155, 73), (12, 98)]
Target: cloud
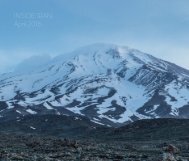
[(9, 59), (32, 63)]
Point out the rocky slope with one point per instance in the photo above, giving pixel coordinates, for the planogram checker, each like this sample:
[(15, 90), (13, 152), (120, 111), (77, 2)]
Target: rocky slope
[(109, 84)]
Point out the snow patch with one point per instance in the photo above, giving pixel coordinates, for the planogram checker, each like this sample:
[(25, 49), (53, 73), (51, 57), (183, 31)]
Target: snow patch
[(31, 111), (32, 127), (47, 106)]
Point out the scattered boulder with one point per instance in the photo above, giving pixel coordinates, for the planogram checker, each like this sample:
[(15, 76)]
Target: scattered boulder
[(169, 152)]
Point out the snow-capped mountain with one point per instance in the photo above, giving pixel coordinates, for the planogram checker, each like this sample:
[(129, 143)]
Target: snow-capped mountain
[(109, 84)]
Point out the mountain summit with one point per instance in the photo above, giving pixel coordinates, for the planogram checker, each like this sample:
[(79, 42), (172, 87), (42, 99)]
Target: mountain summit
[(109, 84)]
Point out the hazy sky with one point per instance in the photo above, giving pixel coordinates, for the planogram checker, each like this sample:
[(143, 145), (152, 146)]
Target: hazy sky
[(53, 27)]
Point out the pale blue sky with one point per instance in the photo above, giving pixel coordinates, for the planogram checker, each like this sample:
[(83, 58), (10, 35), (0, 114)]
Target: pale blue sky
[(53, 27)]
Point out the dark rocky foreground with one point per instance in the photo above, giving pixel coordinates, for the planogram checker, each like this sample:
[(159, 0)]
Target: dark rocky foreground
[(35, 148), (78, 139)]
